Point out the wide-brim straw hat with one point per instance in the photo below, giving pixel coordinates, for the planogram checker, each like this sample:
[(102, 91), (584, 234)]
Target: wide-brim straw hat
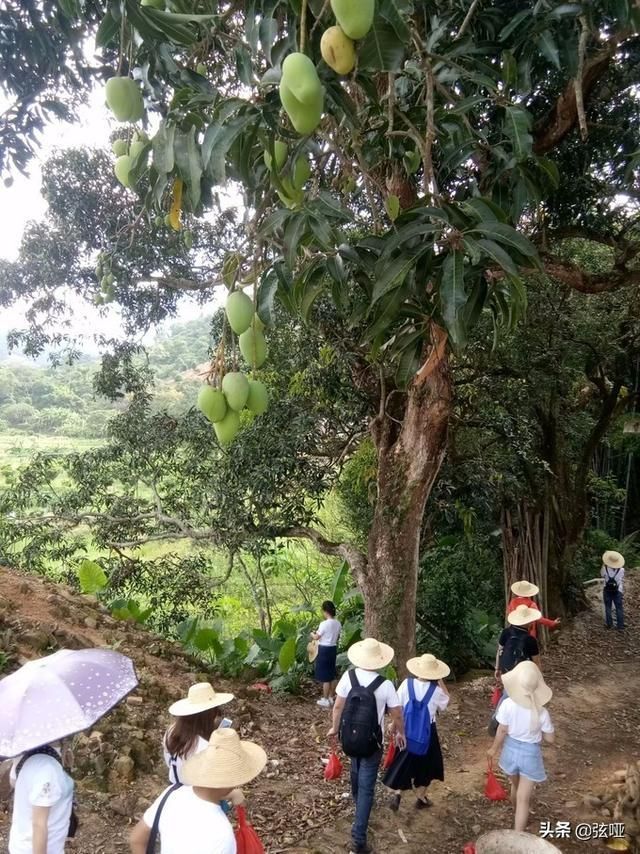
[(526, 687), (522, 616), (312, 650), (226, 763), (201, 698), (428, 667), (524, 588), (370, 654), (613, 559)]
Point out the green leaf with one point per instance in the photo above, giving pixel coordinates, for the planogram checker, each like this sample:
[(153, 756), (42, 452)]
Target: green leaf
[(392, 205), (92, 577), (392, 275), (409, 361), (189, 163), (505, 234), (287, 655), (497, 254), (517, 127), (549, 48), (389, 10), (267, 290), (475, 303), (71, 8), (453, 297), (339, 584), (207, 638), (162, 146), (484, 210), (382, 49)]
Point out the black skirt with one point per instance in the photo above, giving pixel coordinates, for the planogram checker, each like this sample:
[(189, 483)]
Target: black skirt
[(326, 663), (408, 771)]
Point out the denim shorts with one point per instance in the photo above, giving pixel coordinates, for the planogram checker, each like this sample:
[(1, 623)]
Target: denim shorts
[(520, 757)]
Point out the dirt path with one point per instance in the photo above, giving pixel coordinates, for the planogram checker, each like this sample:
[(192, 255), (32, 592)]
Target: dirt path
[(596, 710)]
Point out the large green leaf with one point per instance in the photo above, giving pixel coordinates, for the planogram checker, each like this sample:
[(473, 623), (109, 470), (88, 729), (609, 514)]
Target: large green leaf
[(453, 297), (287, 655), (391, 275), (339, 583), (508, 236), (517, 126), (189, 163), (162, 146), (92, 577), (382, 49), (267, 290), (498, 254)]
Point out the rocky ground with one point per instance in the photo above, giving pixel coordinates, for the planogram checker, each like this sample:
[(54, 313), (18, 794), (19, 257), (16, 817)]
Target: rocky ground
[(119, 769)]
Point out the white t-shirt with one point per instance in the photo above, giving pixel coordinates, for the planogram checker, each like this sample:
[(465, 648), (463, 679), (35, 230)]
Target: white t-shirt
[(616, 574), (42, 782), (438, 702), (517, 719), (329, 632), (386, 695), (189, 824), (201, 744)]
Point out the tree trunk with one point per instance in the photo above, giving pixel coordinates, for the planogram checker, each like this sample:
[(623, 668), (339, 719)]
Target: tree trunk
[(410, 455)]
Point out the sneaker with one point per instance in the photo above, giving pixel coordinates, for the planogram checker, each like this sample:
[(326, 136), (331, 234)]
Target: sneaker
[(423, 803), (361, 848), (324, 703)]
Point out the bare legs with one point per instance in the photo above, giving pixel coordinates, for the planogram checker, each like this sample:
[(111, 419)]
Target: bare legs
[(521, 791)]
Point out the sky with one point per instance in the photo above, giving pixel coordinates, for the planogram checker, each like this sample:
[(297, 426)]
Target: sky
[(23, 202)]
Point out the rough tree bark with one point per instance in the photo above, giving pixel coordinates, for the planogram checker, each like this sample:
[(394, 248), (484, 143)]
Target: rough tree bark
[(410, 455)]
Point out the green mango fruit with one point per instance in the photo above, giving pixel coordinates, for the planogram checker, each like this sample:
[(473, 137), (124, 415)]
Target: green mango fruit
[(157, 4), (355, 17), (98, 270), (119, 147), (239, 309), (301, 93), (122, 169), (236, 390), (167, 219), (257, 324), (201, 69), (187, 237), (109, 294), (253, 347), (338, 50), (301, 172), (158, 221), (227, 429), (258, 399), (137, 148), (124, 99), (281, 150), (212, 403)]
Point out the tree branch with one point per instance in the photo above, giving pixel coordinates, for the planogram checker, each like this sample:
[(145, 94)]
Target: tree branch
[(588, 283), (354, 557)]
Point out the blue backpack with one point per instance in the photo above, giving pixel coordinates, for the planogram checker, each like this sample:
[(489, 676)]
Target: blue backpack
[(417, 720)]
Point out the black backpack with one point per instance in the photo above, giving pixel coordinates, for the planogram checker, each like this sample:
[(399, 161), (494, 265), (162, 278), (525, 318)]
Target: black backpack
[(513, 652), (611, 585), (360, 732), (45, 750)]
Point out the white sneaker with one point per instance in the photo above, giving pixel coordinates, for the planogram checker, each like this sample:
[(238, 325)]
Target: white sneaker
[(324, 703)]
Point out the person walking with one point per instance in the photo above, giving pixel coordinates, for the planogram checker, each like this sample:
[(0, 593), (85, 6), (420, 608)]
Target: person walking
[(327, 636), (523, 724), (421, 762), (363, 697), (612, 573), (188, 817), (523, 593), (196, 717), (42, 817)]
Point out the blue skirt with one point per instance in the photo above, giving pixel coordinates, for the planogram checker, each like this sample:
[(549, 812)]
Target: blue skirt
[(326, 663), (523, 758)]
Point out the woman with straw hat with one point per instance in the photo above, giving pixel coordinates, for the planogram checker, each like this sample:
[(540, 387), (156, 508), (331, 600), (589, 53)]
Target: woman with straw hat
[(523, 724), (421, 762), (612, 573), (196, 717), (523, 593), (189, 818)]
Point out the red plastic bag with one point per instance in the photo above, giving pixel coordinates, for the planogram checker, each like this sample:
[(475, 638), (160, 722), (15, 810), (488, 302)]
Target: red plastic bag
[(390, 755), (247, 840), (495, 696), (469, 848), (493, 790), (333, 768)]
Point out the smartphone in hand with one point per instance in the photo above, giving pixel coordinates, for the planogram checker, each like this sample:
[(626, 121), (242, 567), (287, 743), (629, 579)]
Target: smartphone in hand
[(224, 723)]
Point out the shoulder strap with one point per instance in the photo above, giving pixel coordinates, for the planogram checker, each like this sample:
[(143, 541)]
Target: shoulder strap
[(45, 750), (430, 692), (412, 690), (377, 682), (174, 767), (353, 678), (151, 844)]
